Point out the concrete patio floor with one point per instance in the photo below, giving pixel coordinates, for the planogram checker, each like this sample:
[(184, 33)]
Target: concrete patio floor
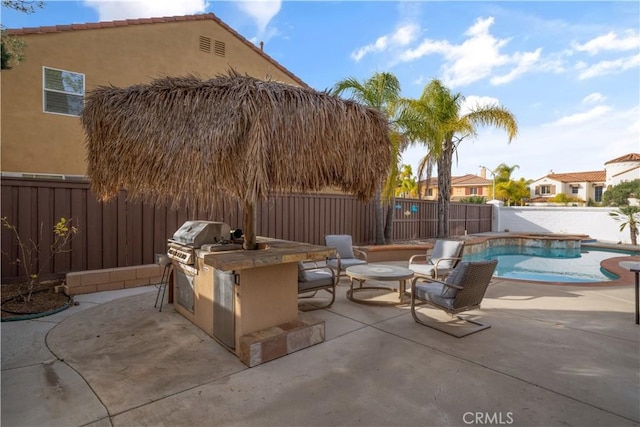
[(555, 355)]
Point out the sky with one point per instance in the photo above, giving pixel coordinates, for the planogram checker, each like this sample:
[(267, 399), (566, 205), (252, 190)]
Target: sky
[(568, 70)]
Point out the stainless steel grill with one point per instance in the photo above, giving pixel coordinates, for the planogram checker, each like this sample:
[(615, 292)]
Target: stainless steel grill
[(195, 239), (205, 235)]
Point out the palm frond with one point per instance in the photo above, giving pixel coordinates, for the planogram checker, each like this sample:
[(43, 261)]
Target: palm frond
[(495, 116)]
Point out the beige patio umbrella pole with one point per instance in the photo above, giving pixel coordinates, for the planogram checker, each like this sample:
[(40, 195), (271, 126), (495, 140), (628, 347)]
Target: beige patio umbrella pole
[(191, 142)]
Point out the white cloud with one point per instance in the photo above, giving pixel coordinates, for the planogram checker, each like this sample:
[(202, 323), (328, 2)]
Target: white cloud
[(607, 67), (524, 62), (472, 101), (261, 11), (610, 41), (111, 10), (593, 98), (581, 118), (427, 47), (405, 34), (379, 45), (477, 57), (401, 37)]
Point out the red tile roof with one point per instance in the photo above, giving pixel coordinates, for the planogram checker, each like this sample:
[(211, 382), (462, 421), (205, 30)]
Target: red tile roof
[(112, 24), (144, 21), (592, 176), (465, 180), (631, 157), (469, 179)]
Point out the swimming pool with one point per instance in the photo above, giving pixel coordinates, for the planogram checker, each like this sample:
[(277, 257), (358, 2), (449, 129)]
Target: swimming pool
[(580, 265)]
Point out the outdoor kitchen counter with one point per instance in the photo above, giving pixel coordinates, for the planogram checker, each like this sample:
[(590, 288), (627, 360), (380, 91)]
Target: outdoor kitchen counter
[(248, 300), (272, 252)]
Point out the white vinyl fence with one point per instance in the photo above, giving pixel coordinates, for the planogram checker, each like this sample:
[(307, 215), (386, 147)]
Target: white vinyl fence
[(594, 222)]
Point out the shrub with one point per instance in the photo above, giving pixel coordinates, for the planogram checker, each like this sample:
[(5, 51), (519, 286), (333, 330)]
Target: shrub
[(30, 252)]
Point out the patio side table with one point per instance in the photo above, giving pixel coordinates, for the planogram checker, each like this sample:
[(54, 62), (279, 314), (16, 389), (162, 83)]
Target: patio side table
[(635, 268), (378, 272)]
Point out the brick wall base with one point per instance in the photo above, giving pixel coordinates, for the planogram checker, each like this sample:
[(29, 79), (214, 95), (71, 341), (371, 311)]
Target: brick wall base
[(271, 343), (84, 282), (384, 253)]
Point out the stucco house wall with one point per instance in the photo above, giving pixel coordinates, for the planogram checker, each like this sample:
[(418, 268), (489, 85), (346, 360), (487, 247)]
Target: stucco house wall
[(555, 187), (623, 169), (461, 187), (583, 185), (120, 53)]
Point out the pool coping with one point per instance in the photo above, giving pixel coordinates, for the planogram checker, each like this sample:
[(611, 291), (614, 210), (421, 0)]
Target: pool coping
[(611, 265)]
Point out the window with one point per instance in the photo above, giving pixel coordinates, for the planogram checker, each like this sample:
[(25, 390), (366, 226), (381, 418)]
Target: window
[(473, 190), (63, 92), (574, 189), (545, 189), (598, 194)]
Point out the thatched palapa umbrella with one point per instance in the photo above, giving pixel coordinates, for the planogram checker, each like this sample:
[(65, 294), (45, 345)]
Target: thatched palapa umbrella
[(188, 140)]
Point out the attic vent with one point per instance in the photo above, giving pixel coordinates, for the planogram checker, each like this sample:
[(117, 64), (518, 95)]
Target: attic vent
[(205, 44), (219, 48)]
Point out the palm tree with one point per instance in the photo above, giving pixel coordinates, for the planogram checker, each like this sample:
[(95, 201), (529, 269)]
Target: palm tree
[(381, 91), (628, 215), (406, 185), (425, 168), (503, 172), (435, 120), (513, 191), (508, 189)]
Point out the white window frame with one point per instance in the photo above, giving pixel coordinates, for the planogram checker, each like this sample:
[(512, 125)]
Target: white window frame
[(45, 90), (545, 189), (598, 188)]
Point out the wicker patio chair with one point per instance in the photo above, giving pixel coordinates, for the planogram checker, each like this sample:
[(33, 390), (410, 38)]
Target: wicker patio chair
[(313, 278), (463, 290), (443, 258), (346, 254)]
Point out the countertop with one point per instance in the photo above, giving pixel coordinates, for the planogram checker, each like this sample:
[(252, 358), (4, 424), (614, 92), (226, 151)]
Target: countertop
[(273, 252)]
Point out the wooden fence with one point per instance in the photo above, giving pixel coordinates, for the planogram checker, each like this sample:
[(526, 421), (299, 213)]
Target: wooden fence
[(121, 233)]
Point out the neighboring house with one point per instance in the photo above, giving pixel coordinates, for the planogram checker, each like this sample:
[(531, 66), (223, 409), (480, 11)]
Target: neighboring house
[(581, 185), (622, 169), (43, 96), (461, 187), (587, 185)]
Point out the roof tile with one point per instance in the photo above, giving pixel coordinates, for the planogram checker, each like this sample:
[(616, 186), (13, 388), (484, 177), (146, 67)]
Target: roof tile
[(591, 176), (631, 157), (468, 179)]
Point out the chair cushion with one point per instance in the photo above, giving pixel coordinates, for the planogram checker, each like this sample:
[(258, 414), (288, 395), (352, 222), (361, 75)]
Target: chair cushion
[(345, 263), (433, 292), (445, 249), (427, 270), (454, 278), (315, 278), (342, 243), (300, 271)]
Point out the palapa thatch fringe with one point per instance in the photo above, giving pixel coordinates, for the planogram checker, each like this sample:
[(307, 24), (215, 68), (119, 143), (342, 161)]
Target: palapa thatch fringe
[(186, 140)]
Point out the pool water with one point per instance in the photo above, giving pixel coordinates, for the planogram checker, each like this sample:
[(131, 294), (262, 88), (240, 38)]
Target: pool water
[(549, 265)]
